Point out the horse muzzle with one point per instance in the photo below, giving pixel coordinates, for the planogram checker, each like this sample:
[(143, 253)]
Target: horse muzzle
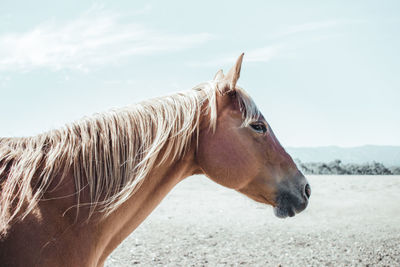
[(292, 198)]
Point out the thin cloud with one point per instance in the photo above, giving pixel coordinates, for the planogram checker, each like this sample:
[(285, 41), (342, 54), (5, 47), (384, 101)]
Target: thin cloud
[(306, 27), (315, 26), (93, 39), (264, 54), (261, 54), (280, 48), (144, 10)]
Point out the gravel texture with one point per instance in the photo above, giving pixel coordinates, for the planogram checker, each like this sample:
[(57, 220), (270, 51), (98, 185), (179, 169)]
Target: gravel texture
[(350, 221)]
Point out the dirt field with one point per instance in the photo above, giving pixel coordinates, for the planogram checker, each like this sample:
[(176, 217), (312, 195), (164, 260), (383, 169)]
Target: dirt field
[(351, 221)]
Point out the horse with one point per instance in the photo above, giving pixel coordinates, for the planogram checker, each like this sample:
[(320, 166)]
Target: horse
[(70, 196)]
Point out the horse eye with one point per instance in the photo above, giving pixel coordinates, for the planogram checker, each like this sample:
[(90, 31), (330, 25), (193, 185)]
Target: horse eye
[(259, 127)]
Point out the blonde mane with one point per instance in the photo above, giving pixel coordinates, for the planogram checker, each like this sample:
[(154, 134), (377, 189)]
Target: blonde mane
[(110, 153)]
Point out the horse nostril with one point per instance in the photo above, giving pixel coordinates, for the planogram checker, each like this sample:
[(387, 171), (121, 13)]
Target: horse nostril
[(307, 190)]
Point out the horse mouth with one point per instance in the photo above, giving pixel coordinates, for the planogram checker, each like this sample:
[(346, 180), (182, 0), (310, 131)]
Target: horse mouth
[(288, 205), (284, 212), (285, 209)]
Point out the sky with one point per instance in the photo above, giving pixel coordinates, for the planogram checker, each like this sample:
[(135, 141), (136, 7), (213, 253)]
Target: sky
[(322, 72)]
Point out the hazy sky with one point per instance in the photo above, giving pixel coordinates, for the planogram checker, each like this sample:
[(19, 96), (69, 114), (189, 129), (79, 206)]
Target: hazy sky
[(322, 72)]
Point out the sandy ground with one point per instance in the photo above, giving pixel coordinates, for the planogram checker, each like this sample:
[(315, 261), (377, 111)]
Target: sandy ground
[(351, 221)]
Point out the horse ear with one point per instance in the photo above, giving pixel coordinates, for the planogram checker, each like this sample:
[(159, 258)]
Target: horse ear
[(234, 73), (230, 80), (219, 76)]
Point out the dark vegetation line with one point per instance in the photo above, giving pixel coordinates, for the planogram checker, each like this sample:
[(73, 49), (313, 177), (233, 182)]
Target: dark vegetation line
[(337, 167)]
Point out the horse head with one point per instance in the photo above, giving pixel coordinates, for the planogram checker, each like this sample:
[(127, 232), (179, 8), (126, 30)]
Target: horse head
[(243, 153)]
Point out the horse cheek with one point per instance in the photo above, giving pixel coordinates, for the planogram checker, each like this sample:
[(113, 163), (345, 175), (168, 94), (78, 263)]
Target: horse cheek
[(226, 160)]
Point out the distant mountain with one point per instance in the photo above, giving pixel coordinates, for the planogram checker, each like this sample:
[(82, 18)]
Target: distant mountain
[(388, 155)]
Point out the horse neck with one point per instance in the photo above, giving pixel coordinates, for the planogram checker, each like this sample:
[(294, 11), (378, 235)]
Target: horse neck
[(89, 243), (111, 231)]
